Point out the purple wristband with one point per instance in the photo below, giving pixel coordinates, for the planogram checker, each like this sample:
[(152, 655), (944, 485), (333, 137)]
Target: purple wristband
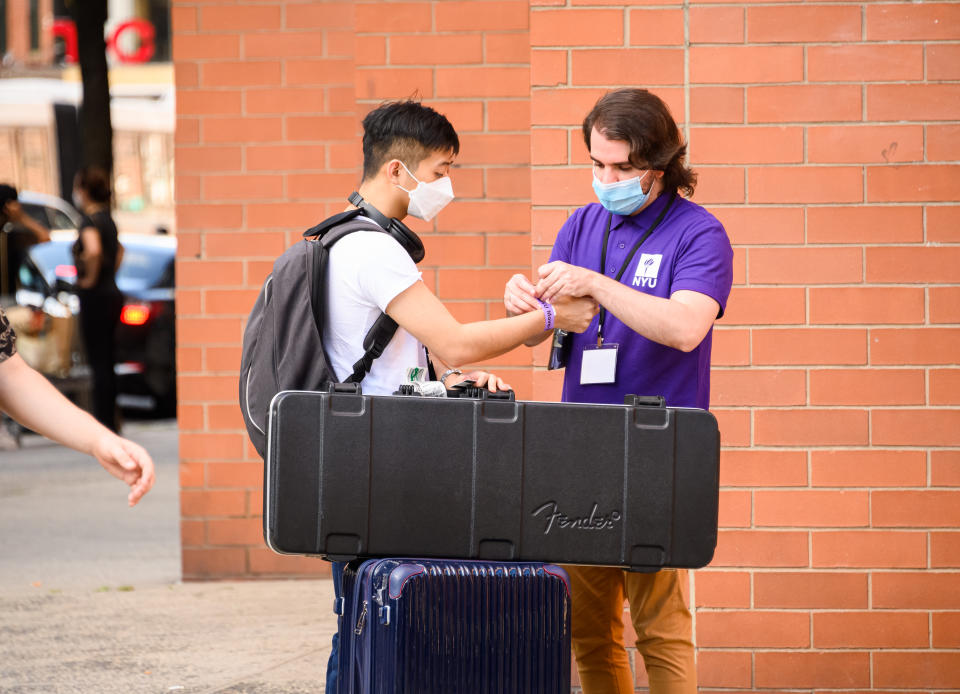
[(548, 314)]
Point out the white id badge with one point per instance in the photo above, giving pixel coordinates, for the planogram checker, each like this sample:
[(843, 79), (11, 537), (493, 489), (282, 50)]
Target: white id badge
[(599, 364)]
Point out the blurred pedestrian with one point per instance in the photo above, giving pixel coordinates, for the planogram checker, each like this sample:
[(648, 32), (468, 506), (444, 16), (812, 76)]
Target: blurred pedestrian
[(11, 255), (11, 211), (31, 400), (97, 254)]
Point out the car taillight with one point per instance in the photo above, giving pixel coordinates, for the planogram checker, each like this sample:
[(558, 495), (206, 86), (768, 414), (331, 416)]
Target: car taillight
[(135, 314)]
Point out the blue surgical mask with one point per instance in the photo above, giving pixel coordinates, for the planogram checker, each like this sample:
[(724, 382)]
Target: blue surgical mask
[(622, 197)]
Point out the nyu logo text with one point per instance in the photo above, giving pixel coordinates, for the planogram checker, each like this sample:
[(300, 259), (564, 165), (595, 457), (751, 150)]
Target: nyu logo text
[(647, 270)]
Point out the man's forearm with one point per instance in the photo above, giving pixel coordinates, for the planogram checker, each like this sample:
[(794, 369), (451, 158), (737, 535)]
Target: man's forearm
[(665, 321), (487, 339), (37, 229), (536, 339)]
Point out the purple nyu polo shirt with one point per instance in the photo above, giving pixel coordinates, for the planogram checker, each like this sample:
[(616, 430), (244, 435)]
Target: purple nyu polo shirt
[(688, 250)]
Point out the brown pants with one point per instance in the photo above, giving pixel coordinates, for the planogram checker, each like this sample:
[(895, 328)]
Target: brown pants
[(660, 618)]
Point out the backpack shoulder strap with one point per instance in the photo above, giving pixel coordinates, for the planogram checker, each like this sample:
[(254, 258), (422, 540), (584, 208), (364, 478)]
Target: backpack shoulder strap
[(377, 339), (323, 227), (383, 329), (325, 234)]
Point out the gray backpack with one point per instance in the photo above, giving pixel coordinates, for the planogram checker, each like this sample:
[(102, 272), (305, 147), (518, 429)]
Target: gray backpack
[(283, 341)]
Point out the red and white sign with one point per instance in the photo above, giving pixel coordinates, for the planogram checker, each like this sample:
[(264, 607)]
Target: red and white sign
[(142, 31)]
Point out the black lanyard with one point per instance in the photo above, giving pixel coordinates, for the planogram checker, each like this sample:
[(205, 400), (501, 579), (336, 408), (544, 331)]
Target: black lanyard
[(633, 252)]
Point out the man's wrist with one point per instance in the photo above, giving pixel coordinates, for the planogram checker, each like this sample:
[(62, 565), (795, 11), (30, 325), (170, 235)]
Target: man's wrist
[(598, 286), (448, 373), (594, 282)]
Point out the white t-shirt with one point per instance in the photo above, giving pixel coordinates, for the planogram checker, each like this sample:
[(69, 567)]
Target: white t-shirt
[(366, 271)]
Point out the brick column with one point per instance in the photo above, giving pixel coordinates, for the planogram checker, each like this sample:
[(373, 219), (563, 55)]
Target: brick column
[(266, 146)]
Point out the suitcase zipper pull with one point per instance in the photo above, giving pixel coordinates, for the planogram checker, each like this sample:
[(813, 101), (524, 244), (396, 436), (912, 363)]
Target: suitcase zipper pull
[(362, 620)]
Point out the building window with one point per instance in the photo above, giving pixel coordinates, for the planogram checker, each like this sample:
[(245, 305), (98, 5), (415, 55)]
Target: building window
[(34, 25), (3, 28)]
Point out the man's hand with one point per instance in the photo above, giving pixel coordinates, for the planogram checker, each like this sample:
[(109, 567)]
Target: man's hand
[(574, 314), (492, 382), (15, 214), (562, 279), (519, 296), (127, 461), (13, 211)]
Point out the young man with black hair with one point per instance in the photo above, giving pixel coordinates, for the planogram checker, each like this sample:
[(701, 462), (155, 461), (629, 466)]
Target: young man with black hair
[(408, 151), (660, 267)]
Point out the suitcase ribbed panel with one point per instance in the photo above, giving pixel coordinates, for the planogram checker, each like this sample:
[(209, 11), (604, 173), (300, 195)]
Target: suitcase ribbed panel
[(476, 628)]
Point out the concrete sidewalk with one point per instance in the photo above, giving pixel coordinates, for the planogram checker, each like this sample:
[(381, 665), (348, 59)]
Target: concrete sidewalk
[(257, 637), (91, 600)]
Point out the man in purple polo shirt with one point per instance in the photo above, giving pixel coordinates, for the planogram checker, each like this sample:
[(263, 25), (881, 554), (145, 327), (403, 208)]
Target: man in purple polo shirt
[(660, 267)]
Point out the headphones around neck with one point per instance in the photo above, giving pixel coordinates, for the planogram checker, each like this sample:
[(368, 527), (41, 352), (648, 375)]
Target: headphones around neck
[(398, 230)]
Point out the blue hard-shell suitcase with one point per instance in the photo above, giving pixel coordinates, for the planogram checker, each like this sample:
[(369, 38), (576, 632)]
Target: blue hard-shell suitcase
[(426, 626)]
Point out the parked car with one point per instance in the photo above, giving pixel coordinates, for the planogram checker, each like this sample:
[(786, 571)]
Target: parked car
[(54, 213), (146, 339)]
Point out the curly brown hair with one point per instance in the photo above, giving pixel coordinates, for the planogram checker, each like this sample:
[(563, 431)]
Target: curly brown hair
[(642, 120)]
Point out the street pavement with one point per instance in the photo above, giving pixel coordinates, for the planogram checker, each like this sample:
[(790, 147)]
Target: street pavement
[(91, 599)]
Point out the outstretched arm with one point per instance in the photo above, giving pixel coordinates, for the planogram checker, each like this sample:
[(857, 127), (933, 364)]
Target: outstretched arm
[(31, 400), (16, 214), (422, 314)]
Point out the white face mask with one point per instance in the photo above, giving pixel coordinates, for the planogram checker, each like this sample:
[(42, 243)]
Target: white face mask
[(427, 199)]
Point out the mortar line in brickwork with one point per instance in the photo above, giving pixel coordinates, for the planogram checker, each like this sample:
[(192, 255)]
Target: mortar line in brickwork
[(626, 28), (686, 75), (863, 106), (863, 184), (806, 150), (923, 138)]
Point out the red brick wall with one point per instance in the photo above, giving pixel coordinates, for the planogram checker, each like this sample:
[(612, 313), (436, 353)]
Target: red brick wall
[(826, 141), (18, 31)]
